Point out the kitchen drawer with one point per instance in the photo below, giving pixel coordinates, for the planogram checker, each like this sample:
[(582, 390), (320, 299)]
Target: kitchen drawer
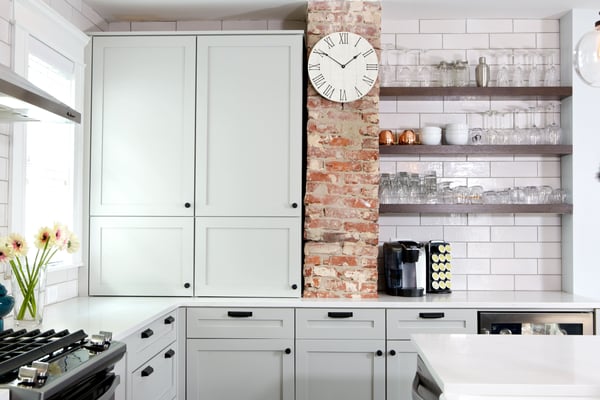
[(148, 340), (402, 323), (240, 323), (157, 378), (331, 323)]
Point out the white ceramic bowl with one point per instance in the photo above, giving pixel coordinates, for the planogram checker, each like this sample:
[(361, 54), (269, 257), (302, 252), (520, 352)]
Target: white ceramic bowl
[(457, 138), (431, 129), (431, 138)]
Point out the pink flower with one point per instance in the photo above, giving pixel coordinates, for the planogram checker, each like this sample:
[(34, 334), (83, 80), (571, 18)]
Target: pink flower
[(18, 244)]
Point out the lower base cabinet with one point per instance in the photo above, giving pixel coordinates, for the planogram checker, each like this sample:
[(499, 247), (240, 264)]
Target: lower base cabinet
[(340, 369), (157, 378), (401, 369), (249, 369)]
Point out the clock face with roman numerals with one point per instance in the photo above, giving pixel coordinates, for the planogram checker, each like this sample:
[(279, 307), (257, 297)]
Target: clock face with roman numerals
[(343, 67)]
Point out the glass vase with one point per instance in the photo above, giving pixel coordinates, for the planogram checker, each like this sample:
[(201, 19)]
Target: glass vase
[(30, 299)]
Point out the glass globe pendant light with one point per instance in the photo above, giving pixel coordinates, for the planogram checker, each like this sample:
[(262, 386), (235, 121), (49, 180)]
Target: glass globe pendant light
[(587, 57)]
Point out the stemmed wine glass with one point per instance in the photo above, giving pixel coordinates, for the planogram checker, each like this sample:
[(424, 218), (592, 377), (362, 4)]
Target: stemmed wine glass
[(502, 79), (551, 73), (517, 73), (553, 132)]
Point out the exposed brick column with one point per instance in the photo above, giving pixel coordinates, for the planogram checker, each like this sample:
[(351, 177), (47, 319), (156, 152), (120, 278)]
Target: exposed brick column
[(341, 202)]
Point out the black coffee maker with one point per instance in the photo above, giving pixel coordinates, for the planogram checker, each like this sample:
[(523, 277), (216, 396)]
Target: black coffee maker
[(401, 269)]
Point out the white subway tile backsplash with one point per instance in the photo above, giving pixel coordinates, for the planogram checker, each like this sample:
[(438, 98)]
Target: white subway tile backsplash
[(386, 233), (491, 251), (444, 219), (418, 41), (470, 266), (459, 282), (549, 266), (491, 219), (467, 233), (538, 282), (548, 41), (399, 26), (536, 25), (408, 106), (538, 219), (466, 169), (419, 233), (512, 40), (549, 233), (537, 250), (513, 266), (489, 25), (490, 282), (514, 234), (443, 26), (516, 169), (387, 167), (466, 41), (399, 120), (459, 250)]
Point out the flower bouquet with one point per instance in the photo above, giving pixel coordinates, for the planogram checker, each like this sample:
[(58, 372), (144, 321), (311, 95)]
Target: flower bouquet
[(28, 278)]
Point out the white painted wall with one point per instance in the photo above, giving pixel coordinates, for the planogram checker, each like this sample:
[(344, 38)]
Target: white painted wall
[(581, 274)]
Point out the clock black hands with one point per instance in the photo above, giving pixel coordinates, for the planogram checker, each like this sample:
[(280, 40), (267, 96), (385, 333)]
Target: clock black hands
[(352, 59), (322, 53)]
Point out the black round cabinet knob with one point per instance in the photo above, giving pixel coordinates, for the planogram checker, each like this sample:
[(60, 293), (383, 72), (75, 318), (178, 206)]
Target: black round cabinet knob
[(187, 205), (294, 286), (186, 285)]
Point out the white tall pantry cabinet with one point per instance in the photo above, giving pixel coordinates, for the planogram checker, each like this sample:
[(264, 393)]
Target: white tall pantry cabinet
[(196, 164)]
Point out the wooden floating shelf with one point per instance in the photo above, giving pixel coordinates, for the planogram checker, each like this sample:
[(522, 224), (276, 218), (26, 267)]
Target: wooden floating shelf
[(475, 208), (549, 92), (543, 149)]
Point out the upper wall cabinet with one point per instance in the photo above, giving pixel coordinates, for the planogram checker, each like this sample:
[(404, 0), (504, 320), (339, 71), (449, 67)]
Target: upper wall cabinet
[(142, 125), (249, 126)]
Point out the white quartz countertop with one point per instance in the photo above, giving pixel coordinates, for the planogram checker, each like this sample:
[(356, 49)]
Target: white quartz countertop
[(123, 315), (512, 367)]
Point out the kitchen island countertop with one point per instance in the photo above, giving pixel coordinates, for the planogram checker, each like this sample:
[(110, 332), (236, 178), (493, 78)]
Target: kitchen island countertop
[(503, 367), (123, 315)]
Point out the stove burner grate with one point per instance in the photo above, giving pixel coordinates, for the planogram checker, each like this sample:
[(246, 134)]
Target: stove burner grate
[(21, 347)]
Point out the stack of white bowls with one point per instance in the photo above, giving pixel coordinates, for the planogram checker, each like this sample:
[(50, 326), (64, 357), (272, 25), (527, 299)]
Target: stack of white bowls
[(457, 134), (431, 135)]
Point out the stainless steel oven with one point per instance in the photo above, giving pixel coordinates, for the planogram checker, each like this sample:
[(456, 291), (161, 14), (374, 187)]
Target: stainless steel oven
[(536, 323)]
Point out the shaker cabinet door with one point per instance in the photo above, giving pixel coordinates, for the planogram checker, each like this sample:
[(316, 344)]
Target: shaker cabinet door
[(340, 369), (142, 126), (133, 256), (249, 126), (249, 369), (258, 257)]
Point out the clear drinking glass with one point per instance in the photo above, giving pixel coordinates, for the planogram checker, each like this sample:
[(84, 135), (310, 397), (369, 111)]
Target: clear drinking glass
[(553, 132), (517, 78), (388, 64), (551, 73), (502, 79), (532, 68)]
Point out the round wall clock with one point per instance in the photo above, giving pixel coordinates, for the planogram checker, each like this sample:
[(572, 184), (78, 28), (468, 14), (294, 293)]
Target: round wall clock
[(343, 67)]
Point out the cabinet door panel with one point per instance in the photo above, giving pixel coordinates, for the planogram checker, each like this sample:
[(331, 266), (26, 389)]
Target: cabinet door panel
[(250, 369), (156, 379), (401, 369), (142, 130), (249, 126), (132, 256), (340, 369), (248, 257)]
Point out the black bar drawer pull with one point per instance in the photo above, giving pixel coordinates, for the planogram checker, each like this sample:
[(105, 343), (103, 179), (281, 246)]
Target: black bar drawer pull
[(348, 314), (147, 371), (239, 314), (431, 315), (147, 333), (169, 320), (169, 353)]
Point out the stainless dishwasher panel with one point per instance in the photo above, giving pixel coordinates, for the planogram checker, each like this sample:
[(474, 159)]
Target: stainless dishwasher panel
[(536, 323)]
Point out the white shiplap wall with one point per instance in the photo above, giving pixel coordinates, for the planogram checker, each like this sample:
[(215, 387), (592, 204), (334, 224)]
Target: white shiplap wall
[(491, 252)]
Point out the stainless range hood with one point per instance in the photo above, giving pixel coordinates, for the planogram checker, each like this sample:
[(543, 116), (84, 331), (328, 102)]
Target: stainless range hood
[(20, 100)]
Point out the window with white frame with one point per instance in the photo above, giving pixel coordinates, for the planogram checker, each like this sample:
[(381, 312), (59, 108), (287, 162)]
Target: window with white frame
[(46, 182)]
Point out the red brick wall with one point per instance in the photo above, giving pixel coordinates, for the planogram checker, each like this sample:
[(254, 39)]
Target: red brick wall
[(341, 203)]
